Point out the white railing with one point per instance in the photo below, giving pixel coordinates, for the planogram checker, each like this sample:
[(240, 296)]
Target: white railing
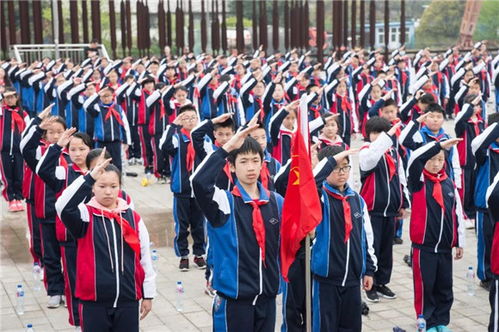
[(32, 52)]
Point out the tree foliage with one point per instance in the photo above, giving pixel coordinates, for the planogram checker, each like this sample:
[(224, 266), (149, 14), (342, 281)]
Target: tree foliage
[(488, 22)]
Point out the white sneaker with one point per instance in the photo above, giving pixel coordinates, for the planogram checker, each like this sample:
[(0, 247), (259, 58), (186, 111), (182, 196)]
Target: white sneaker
[(469, 223), (54, 302), (42, 273), (77, 329), (63, 299)]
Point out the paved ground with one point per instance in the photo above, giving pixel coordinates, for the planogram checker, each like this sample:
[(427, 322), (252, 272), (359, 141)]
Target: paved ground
[(154, 203)]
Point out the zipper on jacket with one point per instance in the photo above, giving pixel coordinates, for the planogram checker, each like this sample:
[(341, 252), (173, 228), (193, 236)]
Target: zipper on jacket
[(346, 264), (115, 303), (388, 186), (441, 230)]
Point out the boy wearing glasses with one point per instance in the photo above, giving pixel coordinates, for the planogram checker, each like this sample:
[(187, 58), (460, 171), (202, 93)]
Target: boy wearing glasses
[(343, 252), (383, 186), (176, 142)]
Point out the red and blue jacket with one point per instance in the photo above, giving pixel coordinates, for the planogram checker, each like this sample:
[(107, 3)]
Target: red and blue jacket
[(467, 129)]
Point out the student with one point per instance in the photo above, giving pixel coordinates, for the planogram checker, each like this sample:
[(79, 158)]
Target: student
[(342, 254), (13, 120), (177, 143), (493, 205), (111, 125), (414, 107), (43, 131), (59, 166), (113, 242), (383, 185), (485, 147), (282, 125), (468, 125), (436, 228), (244, 228), (329, 128)]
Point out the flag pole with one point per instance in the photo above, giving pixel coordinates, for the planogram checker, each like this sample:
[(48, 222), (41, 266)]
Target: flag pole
[(308, 286)]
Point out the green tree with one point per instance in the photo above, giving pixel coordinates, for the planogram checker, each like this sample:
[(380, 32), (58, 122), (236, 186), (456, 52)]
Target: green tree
[(440, 24), (488, 23)]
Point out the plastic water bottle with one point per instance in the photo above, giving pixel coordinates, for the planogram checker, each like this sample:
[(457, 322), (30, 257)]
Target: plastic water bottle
[(154, 257), (20, 300), (180, 295), (470, 281), (29, 328), (421, 324), (37, 272)]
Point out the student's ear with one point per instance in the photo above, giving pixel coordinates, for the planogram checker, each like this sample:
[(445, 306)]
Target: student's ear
[(232, 168)]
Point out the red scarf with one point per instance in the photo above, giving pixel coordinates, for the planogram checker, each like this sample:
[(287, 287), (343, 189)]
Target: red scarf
[(129, 234), (475, 124), (437, 186), (258, 224), (191, 153), (265, 175), (316, 109), (112, 112), (16, 119), (347, 214), (390, 162)]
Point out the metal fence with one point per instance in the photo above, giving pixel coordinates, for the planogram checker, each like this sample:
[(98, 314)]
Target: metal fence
[(32, 52)]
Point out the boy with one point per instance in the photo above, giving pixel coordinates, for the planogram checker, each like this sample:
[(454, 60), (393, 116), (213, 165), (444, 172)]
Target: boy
[(177, 143), (485, 147), (111, 128), (383, 184), (342, 253), (414, 107), (435, 229), (244, 231)]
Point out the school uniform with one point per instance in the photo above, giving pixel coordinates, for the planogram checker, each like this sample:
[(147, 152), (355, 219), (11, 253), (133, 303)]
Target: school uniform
[(467, 129), (114, 267), (342, 254), (110, 127), (245, 266), (436, 227), (493, 207), (82, 120), (132, 98), (13, 120), (177, 143), (486, 151), (43, 199), (383, 185), (280, 137)]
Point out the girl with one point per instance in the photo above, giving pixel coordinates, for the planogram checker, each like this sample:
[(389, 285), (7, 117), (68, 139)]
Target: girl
[(43, 131), (113, 243), (12, 123), (61, 164), (329, 135)]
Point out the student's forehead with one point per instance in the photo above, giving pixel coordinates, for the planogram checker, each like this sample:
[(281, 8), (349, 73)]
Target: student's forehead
[(248, 155)]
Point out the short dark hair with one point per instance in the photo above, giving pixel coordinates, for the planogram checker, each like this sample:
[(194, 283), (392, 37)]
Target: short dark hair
[(187, 108), (493, 118), (435, 108), (469, 98), (229, 123), (327, 116), (377, 124), (93, 154), (250, 145), (309, 87), (85, 139), (181, 88), (427, 99), (113, 168), (330, 151), (390, 102)]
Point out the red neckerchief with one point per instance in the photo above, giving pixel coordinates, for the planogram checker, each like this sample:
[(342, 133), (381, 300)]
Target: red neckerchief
[(16, 119), (191, 153), (403, 77), (476, 123), (345, 103), (129, 234), (112, 112), (347, 214), (258, 224), (390, 162), (316, 109), (437, 186), (265, 175)]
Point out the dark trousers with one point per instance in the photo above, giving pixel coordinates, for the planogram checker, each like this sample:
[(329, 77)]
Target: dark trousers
[(467, 191), (134, 149), (485, 234), (383, 230), (114, 149), (188, 216), (35, 241), (161, 164), (68, 254), (145, 144), (244, 316), (336, 308), (294, 294), (494, 306), (102, 318), (11, 170), (432, 277), (53, 278)]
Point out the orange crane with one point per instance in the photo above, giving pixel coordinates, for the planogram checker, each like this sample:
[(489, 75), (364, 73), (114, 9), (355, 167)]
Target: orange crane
[(468, 24)]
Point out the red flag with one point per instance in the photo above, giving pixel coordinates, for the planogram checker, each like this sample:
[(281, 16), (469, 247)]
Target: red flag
[(302, 208)]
